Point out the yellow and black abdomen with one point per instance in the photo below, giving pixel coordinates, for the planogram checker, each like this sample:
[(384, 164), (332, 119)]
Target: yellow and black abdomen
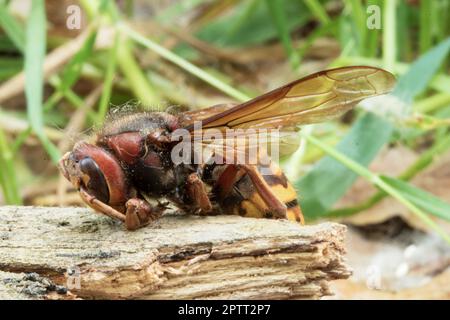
[(244, 200)]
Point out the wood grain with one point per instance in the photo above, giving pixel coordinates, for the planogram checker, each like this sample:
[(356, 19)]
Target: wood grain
[(178, 257)]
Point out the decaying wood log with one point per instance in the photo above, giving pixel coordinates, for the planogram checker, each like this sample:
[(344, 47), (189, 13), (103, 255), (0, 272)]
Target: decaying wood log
[(67, 253)]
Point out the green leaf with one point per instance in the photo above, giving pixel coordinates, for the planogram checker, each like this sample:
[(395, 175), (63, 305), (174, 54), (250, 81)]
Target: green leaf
[(34, 59), (328, 181), (422, 199), (413, 82), (12, 28)]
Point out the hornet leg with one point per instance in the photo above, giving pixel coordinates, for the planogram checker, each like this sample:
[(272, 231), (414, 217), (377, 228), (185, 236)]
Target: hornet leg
[(232, 173), (140, 213), (197, 192), (101, 207)]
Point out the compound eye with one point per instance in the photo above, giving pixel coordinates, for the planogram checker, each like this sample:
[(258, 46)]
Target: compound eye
[(95, 183)]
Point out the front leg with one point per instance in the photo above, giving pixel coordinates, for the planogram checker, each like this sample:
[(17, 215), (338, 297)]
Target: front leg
[(196, 191), (139, 213), (101, 207)]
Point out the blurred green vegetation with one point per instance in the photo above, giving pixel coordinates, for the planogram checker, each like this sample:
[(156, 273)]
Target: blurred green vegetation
[(138, 64)]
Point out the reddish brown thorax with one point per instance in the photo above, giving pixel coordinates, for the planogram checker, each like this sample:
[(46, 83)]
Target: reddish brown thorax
[(127, 146)]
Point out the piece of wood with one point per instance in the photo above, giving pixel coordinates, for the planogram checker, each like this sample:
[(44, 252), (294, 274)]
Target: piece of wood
[(46, 251)]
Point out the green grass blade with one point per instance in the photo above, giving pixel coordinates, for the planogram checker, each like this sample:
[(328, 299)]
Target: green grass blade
[(318, 11), (12, 28), (276, 10), (51, 149), (129, 67), (184, 64), (380, 183), (424, 160), (108, 83), (389, 34), (248, 25), (422, 199), (33, 72), (328, 181), (425, 36), (359, 20), (8, 180), (432, 103), (135, 77), (174, 10), (34, 58), (319, 32), (404, 28), (373, 35), (72, 70)]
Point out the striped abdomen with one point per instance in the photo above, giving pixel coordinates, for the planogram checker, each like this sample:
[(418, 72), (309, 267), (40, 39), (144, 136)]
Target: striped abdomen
[(245, 201)]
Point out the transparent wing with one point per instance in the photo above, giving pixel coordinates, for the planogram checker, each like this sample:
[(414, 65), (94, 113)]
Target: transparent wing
[(244, 146), (318, 97)]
